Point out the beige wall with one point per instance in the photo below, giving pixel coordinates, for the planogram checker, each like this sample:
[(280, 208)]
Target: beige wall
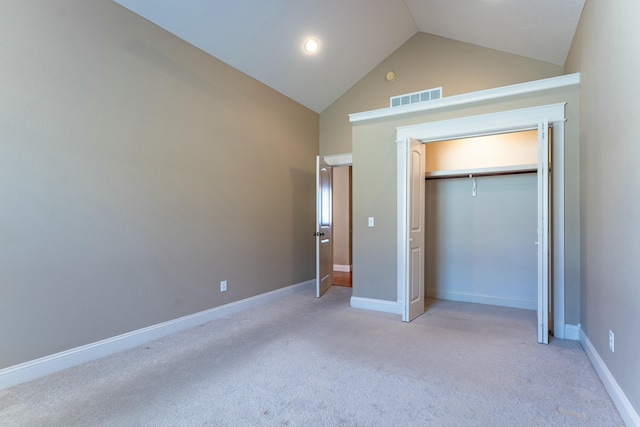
[(342, 216), (423, 62), (136, 173), (605, 51)]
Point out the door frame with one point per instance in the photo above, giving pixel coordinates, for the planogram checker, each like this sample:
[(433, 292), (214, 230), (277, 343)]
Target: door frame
[(335, 160), (487, 124)]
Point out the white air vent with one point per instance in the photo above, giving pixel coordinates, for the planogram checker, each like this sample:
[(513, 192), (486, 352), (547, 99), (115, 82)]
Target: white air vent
[(415, 97)]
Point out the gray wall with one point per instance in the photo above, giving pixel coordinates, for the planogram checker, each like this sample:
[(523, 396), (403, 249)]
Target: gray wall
[(605, 51), (136, 173), (481, 249)]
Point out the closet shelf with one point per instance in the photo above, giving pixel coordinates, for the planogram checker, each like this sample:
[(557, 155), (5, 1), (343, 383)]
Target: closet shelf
[(500, 170)]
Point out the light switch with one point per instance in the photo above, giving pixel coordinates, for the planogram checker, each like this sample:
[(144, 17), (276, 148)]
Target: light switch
[(370, 221)]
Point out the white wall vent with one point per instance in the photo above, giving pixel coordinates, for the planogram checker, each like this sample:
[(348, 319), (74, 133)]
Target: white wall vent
[(415, 97)]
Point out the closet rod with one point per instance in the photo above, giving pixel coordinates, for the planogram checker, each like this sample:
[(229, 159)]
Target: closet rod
[(466, 173)]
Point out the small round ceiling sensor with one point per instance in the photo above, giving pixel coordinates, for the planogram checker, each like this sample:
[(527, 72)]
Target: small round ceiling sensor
[(390, 76)]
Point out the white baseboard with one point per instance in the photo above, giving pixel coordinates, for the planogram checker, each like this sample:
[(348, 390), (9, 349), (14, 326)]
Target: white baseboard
[(33, 369), (343, 268), (483, 299), (572, 332), (376, 305), (626, 410)]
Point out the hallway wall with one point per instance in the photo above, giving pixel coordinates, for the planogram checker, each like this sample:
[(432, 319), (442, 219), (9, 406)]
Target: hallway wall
[(342, 217)]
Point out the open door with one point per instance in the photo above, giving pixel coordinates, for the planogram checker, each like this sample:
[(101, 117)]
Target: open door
[(543, 232), (416, 222), (324, 221)]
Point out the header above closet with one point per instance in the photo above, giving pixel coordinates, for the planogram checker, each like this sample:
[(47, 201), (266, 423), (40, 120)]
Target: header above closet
[(507, 153)]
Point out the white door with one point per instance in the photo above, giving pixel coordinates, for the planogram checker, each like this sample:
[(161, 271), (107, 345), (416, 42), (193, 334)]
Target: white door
[(324, 250), (416, 222), (543, 232)]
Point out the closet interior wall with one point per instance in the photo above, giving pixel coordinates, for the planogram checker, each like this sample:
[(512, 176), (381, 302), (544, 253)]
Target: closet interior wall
[(481, 248), (481, 229)]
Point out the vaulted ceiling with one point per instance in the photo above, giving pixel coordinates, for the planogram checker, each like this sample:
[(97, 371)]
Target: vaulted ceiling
[(264, 38)]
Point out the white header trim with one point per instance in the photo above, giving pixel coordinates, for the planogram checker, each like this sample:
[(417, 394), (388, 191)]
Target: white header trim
[(472, 97), (339, 159), (485, 124)]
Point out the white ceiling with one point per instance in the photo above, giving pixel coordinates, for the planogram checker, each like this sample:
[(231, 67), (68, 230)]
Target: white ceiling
[(263, 38)]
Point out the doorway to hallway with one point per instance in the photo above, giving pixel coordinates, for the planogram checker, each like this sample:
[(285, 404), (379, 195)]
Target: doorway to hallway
[(333, 208)]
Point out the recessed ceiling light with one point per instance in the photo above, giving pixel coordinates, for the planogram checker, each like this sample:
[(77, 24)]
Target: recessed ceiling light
[(311, 45)]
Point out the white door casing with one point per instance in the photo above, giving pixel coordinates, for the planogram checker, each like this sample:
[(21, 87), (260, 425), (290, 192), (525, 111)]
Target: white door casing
[(543, 231), (557, 229), (324, 226)]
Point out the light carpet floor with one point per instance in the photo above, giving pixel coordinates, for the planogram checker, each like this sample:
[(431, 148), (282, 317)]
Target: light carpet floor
[(304, 361)]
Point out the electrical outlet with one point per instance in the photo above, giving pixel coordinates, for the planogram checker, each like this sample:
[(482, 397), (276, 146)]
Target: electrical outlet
[(612, 341), (223, 286)]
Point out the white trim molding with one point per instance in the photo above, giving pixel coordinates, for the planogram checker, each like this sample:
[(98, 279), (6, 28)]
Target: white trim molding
[(342, 268), (376, 305), (619, 398), (339, 159), (558, 173), (483, 124), (37, 368), (472, 97), (571, 332)]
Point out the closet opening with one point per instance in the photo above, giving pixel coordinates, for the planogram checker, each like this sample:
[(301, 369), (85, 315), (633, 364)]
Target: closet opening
[(481, 220), (549, 238)]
